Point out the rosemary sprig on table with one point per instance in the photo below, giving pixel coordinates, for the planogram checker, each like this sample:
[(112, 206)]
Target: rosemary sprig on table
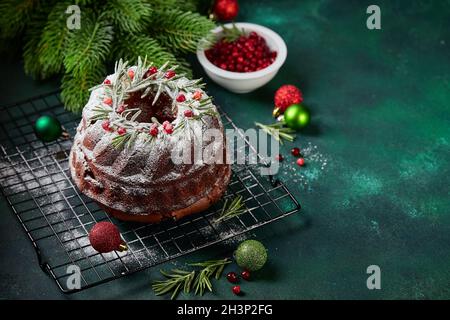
[(175, 280), (210, 268), (234, 209), (182, 279), (278, 131)]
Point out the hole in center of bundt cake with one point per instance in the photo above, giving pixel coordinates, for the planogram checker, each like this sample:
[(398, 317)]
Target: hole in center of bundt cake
[(161, 110)]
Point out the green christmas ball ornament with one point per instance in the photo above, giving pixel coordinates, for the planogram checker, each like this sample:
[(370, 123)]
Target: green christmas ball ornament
[(296, 117), (48, 128), (251, 255)]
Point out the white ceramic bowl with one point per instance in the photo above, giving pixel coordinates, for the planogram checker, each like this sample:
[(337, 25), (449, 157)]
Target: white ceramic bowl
[(240, 82)]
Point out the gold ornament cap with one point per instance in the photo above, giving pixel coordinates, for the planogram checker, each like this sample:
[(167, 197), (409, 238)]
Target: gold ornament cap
[(276, 112)]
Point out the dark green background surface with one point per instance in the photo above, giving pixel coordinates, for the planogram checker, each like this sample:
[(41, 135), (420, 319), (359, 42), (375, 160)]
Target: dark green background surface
[(381, 115)]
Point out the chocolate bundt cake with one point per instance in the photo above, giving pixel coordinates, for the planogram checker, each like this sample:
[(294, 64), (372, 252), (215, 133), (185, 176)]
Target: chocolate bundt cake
[(123, 151)]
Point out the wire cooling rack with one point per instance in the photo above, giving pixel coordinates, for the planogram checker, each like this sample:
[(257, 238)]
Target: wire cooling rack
[(56, 217)]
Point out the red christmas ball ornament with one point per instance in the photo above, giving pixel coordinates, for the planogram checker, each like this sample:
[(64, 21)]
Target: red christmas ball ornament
[(105, 237), (285, 96), (226, 10)]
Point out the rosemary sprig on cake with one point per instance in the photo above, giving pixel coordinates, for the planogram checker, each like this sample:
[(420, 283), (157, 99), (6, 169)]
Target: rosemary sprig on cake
[(187, 280), (234, 209), (120, 140), (148, 79)]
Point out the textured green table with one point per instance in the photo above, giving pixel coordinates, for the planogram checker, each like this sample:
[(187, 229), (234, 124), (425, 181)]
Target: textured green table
[(381, 116)]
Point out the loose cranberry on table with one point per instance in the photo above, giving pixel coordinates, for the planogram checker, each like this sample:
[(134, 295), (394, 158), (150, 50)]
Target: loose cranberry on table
[(247, 53), (295, 152), (232, 277), (301, 162), (236, 290), (245, 275)]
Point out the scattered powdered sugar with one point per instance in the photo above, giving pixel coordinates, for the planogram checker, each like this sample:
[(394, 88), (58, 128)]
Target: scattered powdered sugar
[(315, 164), (231, 239)]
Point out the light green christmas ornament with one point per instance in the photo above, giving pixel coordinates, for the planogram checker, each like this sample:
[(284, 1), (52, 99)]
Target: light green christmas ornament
[(251, 255), (296, 116)]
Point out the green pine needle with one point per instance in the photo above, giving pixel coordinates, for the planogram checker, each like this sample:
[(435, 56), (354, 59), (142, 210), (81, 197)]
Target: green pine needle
[(234, 209), (231, 34), (100, 114), (175, 281), (184, 5), (53, 41), (110, 30), (186, 280), (278, 131), (181, 30), (132, 16), (14, 15), (32, 41), (210, 268), (75, 89), (131, 47), (121, 140), (88, 46)]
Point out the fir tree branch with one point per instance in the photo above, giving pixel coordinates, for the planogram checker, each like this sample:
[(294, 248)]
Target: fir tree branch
[(14, 15), (129, 15), (88, 46), (75, 89), (32, 40), (109, 30), (85, 2), (130, 47), (181, 30), (53, 40), (184, 5)]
